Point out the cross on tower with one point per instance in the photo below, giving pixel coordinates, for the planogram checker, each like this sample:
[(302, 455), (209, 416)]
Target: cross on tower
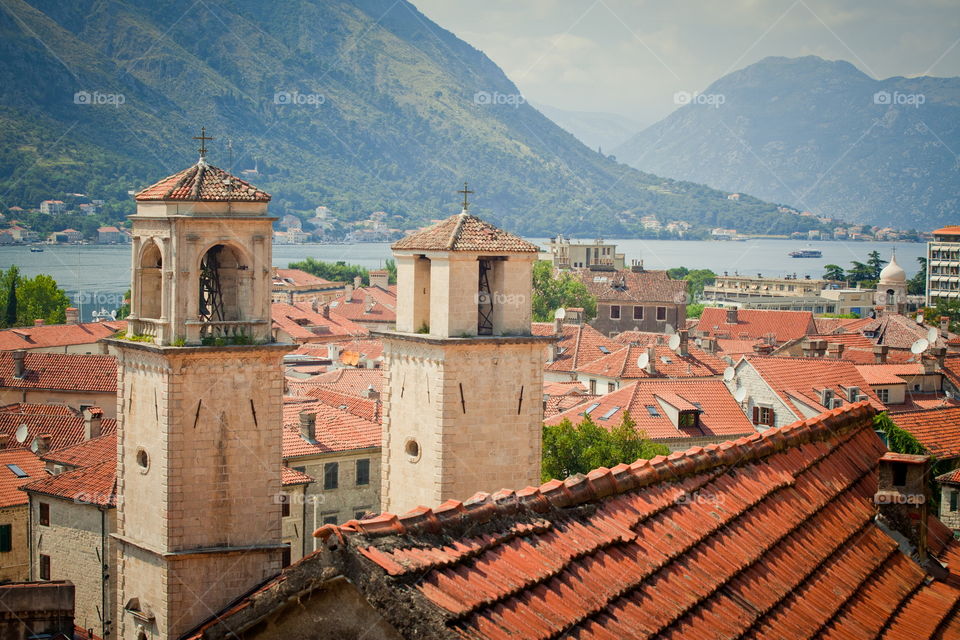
[(203, 141), (465, 191)]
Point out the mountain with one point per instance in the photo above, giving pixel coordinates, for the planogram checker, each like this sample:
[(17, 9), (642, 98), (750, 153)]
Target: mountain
[(821, 135), (593, 128), (359, 105)]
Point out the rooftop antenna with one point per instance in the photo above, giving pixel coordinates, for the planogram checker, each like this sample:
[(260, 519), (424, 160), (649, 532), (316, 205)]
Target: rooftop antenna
[(465, 191)]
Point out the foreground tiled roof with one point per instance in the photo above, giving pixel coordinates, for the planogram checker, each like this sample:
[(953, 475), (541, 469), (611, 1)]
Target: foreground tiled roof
[(720, 415), (354, 382), (757, 323), (464, 232), (61, 371), (877, 374), (633, 286), (10, 482), (58, 335), (203, 182), (62, 424), (93, 451), (363, 407), (622, 364), (291, 477), (336, 429), (580, 344), (899, 332), (799, 380), (96, 484), (770, 536), (938, 430)]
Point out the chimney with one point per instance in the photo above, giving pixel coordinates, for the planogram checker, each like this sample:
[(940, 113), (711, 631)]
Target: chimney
[(380, 278), (944, 326), (684, 350), (326, 311), (73, 315), (835, 351), (308, 426), (348, 291), (357, 282), (18, 368), (290, 297), (373, 394), (762, 348), (706, 343), (315, 305), (92, 418), (558, 326), (880, 353), (38, 322), (4, 439), (333, 352), (43, 443), (903, 499), (651, 360), (807, 346), (939, 355), (732, 315)]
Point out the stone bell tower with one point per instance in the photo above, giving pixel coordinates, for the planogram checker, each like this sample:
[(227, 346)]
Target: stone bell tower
[(464, 376), (199, 390)]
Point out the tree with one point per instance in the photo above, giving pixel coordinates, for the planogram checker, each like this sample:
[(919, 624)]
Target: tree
[(569, 449), (124, 309), (876, 264), (391, 266), (695, 310), (10, 281), (944, 307), (860, 272), (917, 285), (554, 291), (697, 279), (40, 298), (338, 271), (834, 272)]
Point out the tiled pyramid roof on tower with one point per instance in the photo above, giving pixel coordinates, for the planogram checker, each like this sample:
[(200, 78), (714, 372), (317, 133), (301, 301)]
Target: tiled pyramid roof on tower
[(464, 232), (203, 183)]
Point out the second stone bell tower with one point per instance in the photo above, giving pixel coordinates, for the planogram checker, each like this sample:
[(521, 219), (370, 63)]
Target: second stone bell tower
[(464, 376), (199, 391)]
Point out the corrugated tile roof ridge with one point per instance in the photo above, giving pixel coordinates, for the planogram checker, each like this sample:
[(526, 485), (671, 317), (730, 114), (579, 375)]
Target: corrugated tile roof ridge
[(603, 482), (457, 228)]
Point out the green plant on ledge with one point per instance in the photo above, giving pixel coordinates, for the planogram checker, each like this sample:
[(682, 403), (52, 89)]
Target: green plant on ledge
[(220, 341), (424, 328), (179, 342), (139, 337)]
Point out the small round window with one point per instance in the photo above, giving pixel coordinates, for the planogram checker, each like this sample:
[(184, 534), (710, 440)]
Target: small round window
[(143, 460), (412, 449)]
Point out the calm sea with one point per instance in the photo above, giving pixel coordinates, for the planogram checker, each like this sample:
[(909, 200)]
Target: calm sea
[(97, 276)]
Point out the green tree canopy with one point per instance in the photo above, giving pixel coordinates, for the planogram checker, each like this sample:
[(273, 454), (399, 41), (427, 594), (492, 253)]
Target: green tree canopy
[(875, 263), (917, 285), (833, 272), (552, 291), (340, 271), (949, 308), (569, 449), (29, 299), (697, 279)]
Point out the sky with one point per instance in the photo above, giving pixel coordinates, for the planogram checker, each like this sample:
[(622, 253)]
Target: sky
[(630, 57)]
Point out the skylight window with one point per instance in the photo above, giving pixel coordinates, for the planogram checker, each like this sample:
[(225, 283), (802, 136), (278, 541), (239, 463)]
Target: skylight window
[(17, 471), (591, 408), (603, 349), (609, 414), (652, 410)]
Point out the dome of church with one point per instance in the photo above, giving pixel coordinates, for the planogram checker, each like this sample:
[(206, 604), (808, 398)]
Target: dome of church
[(893, 273)]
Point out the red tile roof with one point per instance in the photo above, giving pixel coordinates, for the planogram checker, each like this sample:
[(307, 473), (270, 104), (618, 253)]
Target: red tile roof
[(96, 484), (61, 371), (839, 325), (633, 286), (950, 477), (58, 335), (464, 232), (938, 430), (354, 382), (84, 454), (353, 352), (801, 379), (757, 323), (291, 477), (720, 416), (336, 430), (10, 482), (563, 388), (879, 374), (559, 404), (622, 364), (368, 304), (580, 344), (900, 332), (950, 229), (298, 278), (203, 183), (951, 369), (62, 424), (303, 324), (917, 400), (363, 407)]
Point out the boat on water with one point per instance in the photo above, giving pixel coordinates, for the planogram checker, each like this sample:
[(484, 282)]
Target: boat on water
[(806, 253), (36, 249)]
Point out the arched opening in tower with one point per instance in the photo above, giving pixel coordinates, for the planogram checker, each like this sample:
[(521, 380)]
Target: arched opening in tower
[(220, 284), (150, 289)]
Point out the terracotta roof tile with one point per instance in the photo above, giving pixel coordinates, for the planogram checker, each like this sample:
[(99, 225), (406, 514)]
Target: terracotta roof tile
[(84, 454), (879, 374), (464, 232), (720, 415), (918, 400), (298, 278), (291, 477), (950, 229), (58, 335), (622, 364), (756, 324), (303, 324), (938, 430), (62, 424), (580, 344), (368, 304), (203, 182), (61, 371), (96, 484), (899, 332), (11, 480), (633, 286), (336, 429)]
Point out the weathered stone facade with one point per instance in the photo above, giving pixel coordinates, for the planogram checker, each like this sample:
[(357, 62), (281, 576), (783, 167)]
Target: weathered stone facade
[(15, 564)]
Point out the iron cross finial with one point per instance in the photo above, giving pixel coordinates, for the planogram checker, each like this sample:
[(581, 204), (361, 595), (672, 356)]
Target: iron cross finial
[(203, 141), (465, 192)]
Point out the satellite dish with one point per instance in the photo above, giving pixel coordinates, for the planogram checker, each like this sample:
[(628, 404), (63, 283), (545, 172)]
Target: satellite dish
[(674, 342), (643, 360), (35, 445), (740, 394), (729, 373), (668, 328), (698, 342), (948, 394), (21, 434), (920, 319), (560, 314), (932, 335), (919, 346)]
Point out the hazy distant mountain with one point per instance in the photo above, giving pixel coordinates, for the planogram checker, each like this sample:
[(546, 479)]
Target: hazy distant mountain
[(821, 135), (360, 105), (593, 128)]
